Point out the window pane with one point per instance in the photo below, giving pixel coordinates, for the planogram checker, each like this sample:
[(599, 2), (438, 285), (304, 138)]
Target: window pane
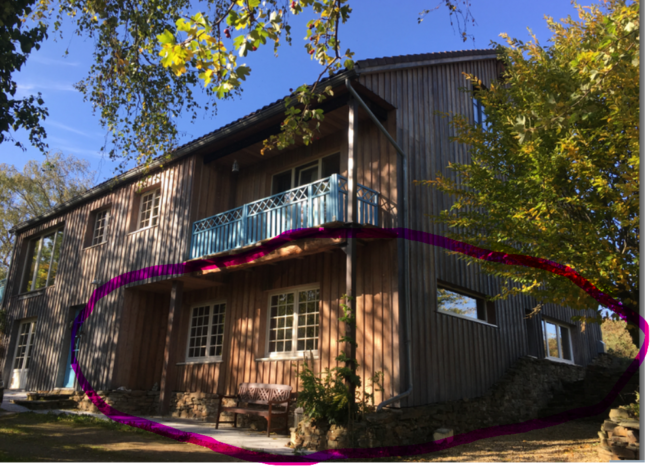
[(29, 279), (331, 165), (456, 303), (552, 340), (55, 257), (100, 227), (281, 182), (199, 328), (566, 343), (44, 261)]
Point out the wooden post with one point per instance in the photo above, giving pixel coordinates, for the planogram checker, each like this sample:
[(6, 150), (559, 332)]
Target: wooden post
[(171, 342), (351, 249)]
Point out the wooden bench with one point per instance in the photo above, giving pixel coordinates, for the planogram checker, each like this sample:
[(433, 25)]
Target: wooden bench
[(273, 395)]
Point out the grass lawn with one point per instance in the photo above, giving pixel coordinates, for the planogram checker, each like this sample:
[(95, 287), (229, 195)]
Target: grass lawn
[(50, 437)]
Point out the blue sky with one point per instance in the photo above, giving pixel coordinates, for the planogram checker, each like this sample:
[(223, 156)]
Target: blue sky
[(377, 28)]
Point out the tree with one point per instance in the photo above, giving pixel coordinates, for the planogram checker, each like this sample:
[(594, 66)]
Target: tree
[(554, 172), (618, 341), (151, 58), (28, 112), (38, 189)]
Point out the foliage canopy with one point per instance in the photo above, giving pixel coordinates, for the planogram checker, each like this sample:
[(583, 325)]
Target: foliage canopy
[(554, 171), (35, 191)]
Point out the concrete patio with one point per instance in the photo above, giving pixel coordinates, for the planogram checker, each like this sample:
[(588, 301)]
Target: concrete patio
[(239, 437)]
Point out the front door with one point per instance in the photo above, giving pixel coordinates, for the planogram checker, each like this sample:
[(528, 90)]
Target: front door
[(23, 355), (68, 378)]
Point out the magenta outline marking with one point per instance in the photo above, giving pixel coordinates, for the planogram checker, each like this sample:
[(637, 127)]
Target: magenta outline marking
[(351, 453)]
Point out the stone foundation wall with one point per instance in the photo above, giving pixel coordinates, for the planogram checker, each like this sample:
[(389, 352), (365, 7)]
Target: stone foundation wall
[(518, 396), (203, 406), (139, 402)]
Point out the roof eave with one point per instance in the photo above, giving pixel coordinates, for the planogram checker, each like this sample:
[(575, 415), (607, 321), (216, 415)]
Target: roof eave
[(183, 151)]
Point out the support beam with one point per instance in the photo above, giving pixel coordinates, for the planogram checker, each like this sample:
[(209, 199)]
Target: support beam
[(171, 342), (351, 249)]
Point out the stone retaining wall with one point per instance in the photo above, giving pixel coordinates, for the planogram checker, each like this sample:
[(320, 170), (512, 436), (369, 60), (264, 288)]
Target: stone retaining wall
[(518, 396), (140, 402)]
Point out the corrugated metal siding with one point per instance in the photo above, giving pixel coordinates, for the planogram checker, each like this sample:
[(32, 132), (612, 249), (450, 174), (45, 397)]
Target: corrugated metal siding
[(452, 357)]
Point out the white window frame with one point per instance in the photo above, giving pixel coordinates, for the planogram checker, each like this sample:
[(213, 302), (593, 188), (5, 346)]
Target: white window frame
[(212, 305), (29, 346), (104, 226), (479, 300), (155, 193), (295, 175), (29, 257), (295, 353), (547, 351)]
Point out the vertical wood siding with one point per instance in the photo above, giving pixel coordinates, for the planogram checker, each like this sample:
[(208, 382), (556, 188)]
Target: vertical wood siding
[(79, 266), (452, 357), (246, 296)]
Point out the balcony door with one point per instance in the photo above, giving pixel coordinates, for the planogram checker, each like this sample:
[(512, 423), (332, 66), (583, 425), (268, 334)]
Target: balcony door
[(69, 376), (23, 355), (305, 174)]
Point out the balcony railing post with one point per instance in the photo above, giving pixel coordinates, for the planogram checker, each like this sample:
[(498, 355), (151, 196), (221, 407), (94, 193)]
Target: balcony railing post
[(244, 227), (333, 211), (310, 199)]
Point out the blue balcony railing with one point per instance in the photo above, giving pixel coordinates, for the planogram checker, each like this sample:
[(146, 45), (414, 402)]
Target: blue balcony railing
[(320, 202)]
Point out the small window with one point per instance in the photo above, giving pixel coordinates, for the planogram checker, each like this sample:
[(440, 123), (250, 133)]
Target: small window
[(43, 261), (149, 209), (479, 112), (99, 229), (463, 305), (206, 333), (557, 341), (293, 322)]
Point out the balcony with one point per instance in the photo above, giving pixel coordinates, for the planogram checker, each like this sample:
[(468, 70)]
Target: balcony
[(306, 206)]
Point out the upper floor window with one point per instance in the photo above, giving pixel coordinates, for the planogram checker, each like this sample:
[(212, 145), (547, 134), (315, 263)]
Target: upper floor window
[(206, 332), (100, 227), (293, 322), (307, 173), (479, 112), (460, 304), (557, 341), (43, 260), (149, 209)]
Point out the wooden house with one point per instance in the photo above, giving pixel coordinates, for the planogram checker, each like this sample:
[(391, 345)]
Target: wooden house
[(254, 322)]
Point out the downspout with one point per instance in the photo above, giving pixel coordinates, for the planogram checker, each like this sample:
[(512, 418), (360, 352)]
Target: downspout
[(407, 276)]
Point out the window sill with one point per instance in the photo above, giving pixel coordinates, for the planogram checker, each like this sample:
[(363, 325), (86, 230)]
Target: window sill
[(95, 245), (31, 294), (482, 322), (207, 361), (288, 357), (142, 229), (563, 361)]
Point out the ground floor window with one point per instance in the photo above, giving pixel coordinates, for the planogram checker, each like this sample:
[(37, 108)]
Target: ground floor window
[(293, 322), (23, 354), (557, 341), (206, 332)]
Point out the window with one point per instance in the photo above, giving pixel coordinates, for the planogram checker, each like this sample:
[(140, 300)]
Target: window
[(305, 174), (293, 322), (43, 261), (205, 339), (25, 344), (99, 230), (460, 304), (149, 209), (479, 108), (557, 341)]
